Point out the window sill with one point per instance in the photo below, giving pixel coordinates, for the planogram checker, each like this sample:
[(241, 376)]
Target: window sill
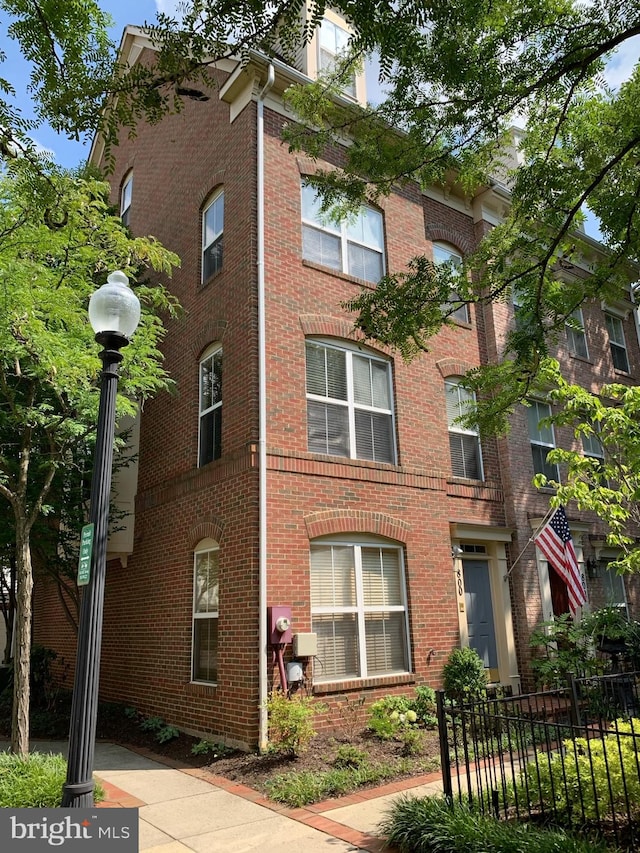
[(467, 481), (625, 373), (582, 358), (326, 687), (204, 284), (362, 282)]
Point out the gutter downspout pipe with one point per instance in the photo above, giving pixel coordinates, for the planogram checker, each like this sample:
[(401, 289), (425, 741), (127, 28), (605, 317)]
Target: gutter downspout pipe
[(262, 418)]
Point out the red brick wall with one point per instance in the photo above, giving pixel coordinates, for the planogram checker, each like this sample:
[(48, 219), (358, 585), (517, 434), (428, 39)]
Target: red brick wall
[(148, 619)]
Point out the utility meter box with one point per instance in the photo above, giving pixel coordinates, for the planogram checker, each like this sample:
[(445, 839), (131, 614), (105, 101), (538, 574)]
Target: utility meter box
[(279, 625), (305, 645)]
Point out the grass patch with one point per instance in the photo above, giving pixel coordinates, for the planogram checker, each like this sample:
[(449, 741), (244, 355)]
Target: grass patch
[(35, 781), (301, 788), (429, 824)]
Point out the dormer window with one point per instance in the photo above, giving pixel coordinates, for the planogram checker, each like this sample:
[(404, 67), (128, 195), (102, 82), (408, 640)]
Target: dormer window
[(333, 42)]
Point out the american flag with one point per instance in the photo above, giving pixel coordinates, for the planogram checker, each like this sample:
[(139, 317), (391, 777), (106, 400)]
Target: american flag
[(555, 542)]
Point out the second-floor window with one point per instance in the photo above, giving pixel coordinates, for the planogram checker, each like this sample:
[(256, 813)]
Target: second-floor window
[(210, 424), (212, 236), (354, 246), (464, 442), (443, 254), (542, 439), (617, 343), (349, 403), (576, 338), (126, 194)]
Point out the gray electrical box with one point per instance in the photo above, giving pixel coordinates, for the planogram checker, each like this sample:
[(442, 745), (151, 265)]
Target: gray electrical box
[(305, 645)]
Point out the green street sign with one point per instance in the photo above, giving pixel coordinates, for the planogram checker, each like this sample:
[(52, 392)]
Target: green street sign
[(86, 547)]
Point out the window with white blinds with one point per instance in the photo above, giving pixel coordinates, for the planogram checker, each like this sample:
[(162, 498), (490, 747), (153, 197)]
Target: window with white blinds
[(464, 442), (354, 245), (349, 403), (359, 613), (205, 612)]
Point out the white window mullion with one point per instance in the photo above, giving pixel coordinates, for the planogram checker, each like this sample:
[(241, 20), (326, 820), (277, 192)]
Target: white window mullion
[(362, 638), (351, 399), (344, 243)]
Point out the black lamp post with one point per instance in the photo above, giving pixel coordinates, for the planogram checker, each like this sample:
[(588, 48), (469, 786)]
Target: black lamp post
[(114, 313)]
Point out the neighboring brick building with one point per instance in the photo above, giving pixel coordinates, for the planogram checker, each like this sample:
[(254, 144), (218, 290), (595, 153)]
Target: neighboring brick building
[(296, 466)]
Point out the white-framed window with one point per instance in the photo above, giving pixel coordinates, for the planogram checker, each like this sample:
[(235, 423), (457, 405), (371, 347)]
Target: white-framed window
[(592, 446), (576, 337), (210, 422), (212, 235), (126, 195), (349, 403), (464, 442), (205, 612), (359, 610), (444, 254), (542, 439), (617, 343), (354, 245), (613, 585), (333, 42)]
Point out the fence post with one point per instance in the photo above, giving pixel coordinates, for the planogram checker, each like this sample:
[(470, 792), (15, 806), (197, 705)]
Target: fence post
[(576, 719), (445, 758)]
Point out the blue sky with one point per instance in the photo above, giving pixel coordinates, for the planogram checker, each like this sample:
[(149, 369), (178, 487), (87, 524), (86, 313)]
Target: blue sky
[(70, 153)]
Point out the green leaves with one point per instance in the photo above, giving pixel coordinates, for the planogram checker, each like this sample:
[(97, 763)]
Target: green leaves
[(49, 363)]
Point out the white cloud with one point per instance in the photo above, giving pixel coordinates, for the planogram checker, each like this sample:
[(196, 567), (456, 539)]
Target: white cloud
[(622, 63), (168, 7)]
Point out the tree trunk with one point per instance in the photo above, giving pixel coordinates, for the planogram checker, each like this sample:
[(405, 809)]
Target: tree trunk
[(22, 650)]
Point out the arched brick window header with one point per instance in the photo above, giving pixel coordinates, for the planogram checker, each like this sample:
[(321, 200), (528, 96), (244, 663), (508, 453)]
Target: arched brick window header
[(356, 521), (215, 182), (211, 528), (213, 332), (444, 234), (453, 367), (326, 326)]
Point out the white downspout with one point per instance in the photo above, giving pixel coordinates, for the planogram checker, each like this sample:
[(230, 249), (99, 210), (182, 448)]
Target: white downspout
[(262, 417)]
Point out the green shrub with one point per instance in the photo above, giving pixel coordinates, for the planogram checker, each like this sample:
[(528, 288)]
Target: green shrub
[(163, 732), (412, 740), (562, 648), (594, 778), (463, 676), (290, 722), (428, 824), (210, 747), (167, 733), (152, 724), (424, 705), (35, 781), (387, 715), (349, 756)]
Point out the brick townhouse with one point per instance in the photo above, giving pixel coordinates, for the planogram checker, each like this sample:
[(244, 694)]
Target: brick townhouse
[(303, 506)]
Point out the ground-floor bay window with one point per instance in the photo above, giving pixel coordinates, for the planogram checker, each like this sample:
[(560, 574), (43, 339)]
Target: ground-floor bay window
[(359, 611)]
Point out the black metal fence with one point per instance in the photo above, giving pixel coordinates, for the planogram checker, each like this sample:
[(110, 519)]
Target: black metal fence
[(569, 757)]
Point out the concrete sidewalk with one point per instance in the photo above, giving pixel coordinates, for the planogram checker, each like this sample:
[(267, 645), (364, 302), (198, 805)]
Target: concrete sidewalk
[(187, 809)]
